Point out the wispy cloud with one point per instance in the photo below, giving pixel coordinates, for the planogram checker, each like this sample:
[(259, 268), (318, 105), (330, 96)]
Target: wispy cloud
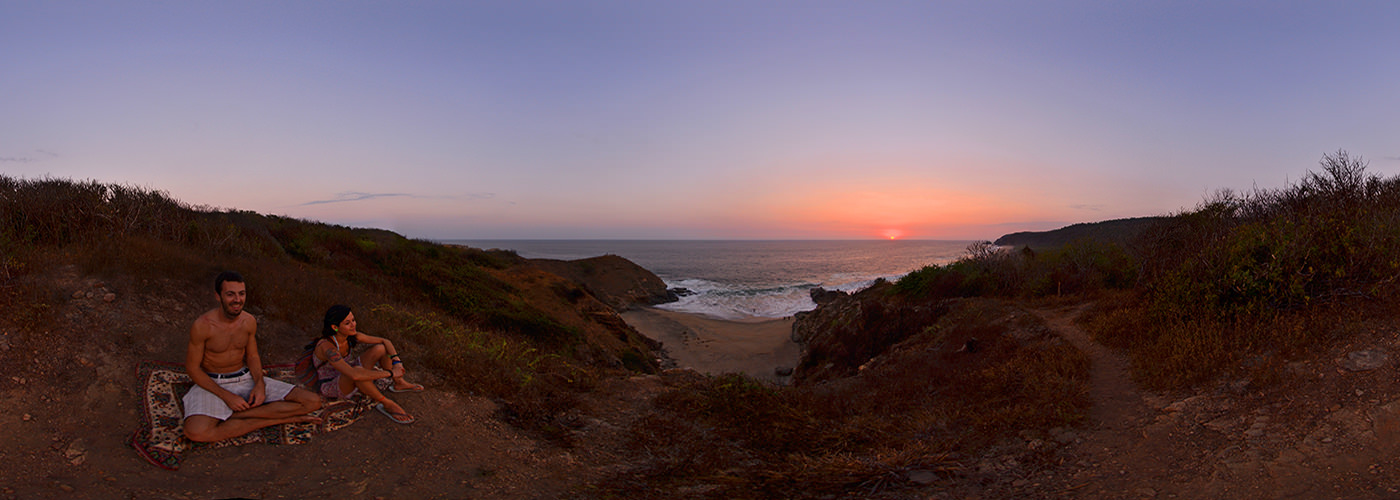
[(1092, 208), (358, 196), (352, 196), (29, 158)]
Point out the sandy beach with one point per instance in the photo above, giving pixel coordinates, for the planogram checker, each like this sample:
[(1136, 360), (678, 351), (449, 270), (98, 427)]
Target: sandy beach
[(715, 346)]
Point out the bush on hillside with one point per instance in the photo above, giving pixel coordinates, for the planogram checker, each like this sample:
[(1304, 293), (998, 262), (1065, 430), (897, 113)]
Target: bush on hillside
[(1082, 266), (912, 408), (1242, 275), (1333, 235), (1200, 290)]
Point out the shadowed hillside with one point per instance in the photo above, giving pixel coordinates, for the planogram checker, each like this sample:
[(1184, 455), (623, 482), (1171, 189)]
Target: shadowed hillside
[(1238, 349), (490, 321), (123, 270), (1117, 231)]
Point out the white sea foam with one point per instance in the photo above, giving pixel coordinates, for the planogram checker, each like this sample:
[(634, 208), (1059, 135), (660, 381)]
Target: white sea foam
[(727, 302), (739, 303), (753, 279)]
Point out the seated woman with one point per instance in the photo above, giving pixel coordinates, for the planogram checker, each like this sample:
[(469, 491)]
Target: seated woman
[(341, 374)]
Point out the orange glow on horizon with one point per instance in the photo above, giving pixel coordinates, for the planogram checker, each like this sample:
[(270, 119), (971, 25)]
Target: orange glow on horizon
[(885, 210)]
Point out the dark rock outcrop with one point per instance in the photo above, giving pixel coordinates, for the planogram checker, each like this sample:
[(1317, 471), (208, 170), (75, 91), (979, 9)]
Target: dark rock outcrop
[(822, 296), (616, 281), (848, 331)]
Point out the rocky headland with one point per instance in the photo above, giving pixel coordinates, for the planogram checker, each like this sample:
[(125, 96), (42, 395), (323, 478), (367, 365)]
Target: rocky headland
[(616, 281)]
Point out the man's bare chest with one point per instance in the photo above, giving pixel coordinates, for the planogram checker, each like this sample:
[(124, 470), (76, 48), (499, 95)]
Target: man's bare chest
[(226, 340)]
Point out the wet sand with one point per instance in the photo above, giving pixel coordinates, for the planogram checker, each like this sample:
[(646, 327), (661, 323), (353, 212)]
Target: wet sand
[(714, 346)]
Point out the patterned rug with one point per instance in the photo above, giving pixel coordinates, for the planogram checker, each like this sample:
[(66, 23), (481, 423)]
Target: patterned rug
[(161, 438)]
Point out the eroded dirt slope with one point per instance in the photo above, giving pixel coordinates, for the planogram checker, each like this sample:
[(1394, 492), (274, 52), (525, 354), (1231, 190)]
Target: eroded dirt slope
[(1330, 428)]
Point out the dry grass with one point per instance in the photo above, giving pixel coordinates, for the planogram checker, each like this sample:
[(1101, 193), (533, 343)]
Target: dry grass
[(1237, 285), (919, 407), (1257, 275), (1240, 276), (476, 330)]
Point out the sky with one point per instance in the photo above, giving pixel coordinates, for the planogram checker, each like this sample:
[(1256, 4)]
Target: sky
[(707, 119)]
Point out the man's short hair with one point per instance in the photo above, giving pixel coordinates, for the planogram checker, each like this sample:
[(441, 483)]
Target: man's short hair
[(226, 276)]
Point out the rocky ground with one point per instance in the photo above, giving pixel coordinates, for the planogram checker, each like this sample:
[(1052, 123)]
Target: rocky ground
[(1329, 427), (72, 401)]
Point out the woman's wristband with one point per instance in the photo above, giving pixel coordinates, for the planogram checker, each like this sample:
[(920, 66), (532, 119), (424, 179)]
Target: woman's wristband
[(397, 362)]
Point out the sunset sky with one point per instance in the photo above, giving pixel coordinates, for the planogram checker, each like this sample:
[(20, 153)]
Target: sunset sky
[(705, 119)]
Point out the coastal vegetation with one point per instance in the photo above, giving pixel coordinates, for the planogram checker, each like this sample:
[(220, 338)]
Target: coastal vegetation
[(919, 410), (494, 324), (906, 383), (1255, 275), (468, 312)]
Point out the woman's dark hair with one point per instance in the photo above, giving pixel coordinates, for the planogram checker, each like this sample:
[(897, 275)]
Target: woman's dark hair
[(334, 316)]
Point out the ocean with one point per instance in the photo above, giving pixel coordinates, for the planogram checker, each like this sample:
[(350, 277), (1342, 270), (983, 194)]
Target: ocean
[(746, 280)]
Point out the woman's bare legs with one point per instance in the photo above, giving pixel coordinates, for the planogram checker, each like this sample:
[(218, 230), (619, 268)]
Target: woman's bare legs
[(375, 356), (367, 387)]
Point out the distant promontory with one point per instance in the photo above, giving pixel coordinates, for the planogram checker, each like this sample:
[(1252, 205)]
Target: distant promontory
[(1109, 231)]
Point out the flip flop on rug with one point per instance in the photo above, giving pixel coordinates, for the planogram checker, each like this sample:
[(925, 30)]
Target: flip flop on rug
[(398, 418), (415, 388)]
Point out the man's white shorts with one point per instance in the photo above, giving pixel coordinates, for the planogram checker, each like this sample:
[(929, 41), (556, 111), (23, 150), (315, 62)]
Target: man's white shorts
[(201, 402)]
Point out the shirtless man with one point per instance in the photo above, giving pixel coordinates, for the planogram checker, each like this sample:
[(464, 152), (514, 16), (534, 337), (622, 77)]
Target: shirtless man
[(230, 397)]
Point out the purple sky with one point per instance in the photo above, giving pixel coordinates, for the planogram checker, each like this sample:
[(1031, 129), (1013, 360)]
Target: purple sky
[(652, 119)]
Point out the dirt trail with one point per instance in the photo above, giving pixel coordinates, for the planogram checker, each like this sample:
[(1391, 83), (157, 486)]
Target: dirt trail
[(1116, 399), (1119, 453), (1318, 432)]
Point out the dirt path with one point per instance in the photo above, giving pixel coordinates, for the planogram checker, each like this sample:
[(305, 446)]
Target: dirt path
[(1122, 451), (1116, 399), (1318, 432)]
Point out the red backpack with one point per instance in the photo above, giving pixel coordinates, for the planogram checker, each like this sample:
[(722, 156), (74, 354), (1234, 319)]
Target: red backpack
[(305, 369)]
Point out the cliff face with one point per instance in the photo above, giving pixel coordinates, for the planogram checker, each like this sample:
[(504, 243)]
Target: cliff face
[(848, 331), (616, 281)]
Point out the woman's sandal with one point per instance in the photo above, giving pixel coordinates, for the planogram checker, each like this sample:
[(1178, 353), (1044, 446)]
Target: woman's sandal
[(415, 388), (398, 418)]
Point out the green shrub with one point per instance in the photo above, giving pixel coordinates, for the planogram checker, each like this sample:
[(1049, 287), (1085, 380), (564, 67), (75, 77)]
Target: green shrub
[(851, 436), (1237, 275), (1333, 235), (1083, 266)]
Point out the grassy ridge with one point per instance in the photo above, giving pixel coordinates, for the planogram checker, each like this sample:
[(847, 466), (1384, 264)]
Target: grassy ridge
[(41, 215), (482, 332)]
